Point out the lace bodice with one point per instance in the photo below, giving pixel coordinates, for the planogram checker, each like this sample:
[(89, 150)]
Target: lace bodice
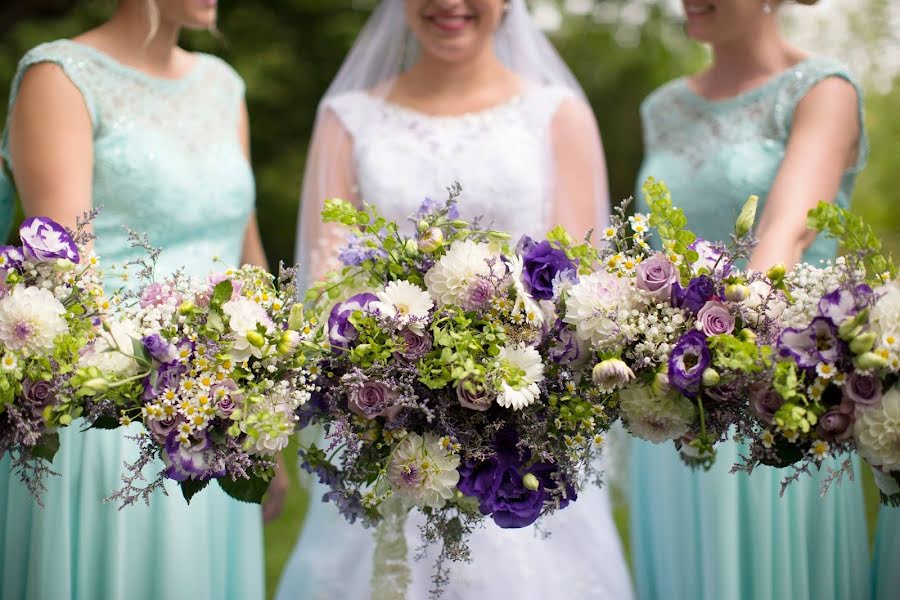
[(167, 157), (714, 154), (500, 156)]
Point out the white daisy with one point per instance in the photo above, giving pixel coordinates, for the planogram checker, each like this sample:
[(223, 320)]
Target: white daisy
[(9, 362), (521, 370), (408, 303)]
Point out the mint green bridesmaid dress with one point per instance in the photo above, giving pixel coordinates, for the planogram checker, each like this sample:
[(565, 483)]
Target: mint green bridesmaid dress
[(886, 566), (167, 162), (7, 197), (714, 535)]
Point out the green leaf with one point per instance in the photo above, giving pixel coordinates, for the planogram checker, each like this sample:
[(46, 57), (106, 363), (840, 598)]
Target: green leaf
[(47, 446), (222, 293), (191, 487), (246, 490), (215, 322), (140, 353)]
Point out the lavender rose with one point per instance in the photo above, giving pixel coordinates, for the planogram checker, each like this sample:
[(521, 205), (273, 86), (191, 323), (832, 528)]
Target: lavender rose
[(415, 346), (341, 331), (688, 360), (765, 402), (715, 319), (38, 394), (45, 240), (542, 263), (863, 389), (160, 349), (473, 395), (167, 377), (835, 426), (374, 399), (160, 429), (655, 277)]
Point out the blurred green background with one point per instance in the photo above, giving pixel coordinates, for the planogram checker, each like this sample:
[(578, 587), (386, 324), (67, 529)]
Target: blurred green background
[(289, 50)]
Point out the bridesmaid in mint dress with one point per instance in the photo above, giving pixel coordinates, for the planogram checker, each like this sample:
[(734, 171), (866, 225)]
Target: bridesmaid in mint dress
[(7, 197), (764, 119), (158, 137), (886, 574)]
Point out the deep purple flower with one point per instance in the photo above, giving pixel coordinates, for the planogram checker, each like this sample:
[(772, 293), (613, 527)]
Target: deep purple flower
[(374, 399), (525, 245), (700, 290), (835, 425), (816, 343), (473, 395), (189, 461), (167, 377), (10, 258), (765, 402), (688, 360), (542, 263), (842, 303), (863, 389), (567, 348), (341, 331), (655, 277), (45, 240), (715, 318), (160, 349)]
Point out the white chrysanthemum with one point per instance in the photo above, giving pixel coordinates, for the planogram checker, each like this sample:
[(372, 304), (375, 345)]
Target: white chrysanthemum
[(877, 431), (244, 317), (466, 261), (103, 354), (408, 303), (522, 371), (885, 315), (594, 303), (656, 418), (30, 320), (423, 470), (271, 422)]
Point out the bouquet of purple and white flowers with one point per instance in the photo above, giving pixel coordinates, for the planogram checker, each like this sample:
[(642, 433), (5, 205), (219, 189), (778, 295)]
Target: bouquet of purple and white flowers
[(214, 369), (50, 296), (452, 383)]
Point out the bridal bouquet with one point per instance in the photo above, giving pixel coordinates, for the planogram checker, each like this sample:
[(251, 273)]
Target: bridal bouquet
[(452, 382), (214, 369), (832, 388), (50, 294)]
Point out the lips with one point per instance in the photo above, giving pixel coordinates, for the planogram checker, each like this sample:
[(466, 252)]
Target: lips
[(450, 22), (694, 9)]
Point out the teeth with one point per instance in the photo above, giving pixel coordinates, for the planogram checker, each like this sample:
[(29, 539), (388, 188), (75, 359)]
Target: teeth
[(697, 9)]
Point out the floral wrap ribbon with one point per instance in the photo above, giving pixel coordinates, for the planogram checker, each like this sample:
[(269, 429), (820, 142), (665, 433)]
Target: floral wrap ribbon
[(390, 573)]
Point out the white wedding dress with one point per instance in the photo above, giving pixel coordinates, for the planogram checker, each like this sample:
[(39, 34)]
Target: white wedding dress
[(500, 157)]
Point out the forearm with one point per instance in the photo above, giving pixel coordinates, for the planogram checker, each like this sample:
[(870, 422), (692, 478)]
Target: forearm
[(252, 252)]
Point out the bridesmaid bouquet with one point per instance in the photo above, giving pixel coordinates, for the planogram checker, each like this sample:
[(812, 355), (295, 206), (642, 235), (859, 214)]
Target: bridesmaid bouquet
[(50, 295), (214, 370), (451, 382), (834, 333)]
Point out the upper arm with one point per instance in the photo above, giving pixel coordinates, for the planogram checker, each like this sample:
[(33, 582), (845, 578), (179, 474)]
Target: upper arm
[(244, 129), (580, 197), (51, 145)]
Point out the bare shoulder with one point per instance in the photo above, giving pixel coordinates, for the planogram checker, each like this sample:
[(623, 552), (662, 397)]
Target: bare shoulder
[(833, 97)]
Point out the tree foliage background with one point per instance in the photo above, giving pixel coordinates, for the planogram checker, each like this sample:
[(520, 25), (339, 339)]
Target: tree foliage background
[(288, 51)]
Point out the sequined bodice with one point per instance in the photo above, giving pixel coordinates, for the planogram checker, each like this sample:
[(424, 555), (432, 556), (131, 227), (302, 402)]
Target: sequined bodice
[(167, 158), (500, 156), (714, 154)]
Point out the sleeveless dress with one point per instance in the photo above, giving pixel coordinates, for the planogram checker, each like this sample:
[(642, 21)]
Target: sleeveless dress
[(7, 199), (714, 535), (885, 574), (167, 162), (502, 158)]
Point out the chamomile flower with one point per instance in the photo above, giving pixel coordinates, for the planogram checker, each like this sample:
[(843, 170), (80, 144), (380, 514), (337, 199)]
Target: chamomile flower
[(820, 449), (767, 439), (9, 362), (826, 370)]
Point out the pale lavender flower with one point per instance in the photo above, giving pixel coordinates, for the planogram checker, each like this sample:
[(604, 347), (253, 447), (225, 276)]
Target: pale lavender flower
[(715, 319), (863, 389), (655, 276)]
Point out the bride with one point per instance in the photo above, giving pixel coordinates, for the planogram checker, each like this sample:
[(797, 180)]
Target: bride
[(434, 92)]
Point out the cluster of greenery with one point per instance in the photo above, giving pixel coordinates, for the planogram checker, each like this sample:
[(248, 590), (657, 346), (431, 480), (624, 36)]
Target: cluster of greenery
[(289, 50)]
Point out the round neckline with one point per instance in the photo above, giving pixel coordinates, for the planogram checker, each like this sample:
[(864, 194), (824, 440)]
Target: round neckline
[(746, 94), (512, 101), (134, 71)]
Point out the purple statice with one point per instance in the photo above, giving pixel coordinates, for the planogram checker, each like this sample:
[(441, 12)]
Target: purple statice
[(359, 249), (341, 331), (542, 263), (429, 209), (688, 360), (45, 240), (816, 343), (844, 303), (192, 460)]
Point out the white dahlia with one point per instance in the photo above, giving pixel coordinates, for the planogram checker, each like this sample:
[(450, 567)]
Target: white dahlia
[(465, 263), (594, 303), (30, 320), (103, 354), (423, 470), (885, 315), (653, 417), (408, 303), (244, 318), (521, 370), (877, 431)]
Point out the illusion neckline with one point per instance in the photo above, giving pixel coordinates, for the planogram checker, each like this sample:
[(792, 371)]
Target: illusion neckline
[(135, 72), (746, 94), (489, 111)]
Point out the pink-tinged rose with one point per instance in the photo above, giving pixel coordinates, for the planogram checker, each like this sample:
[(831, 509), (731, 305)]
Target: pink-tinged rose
[(715, 319), (655, 276), (161, 428)]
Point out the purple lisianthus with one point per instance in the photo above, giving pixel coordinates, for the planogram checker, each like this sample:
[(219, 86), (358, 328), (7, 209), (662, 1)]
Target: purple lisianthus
[(863, 389), (374, 399), (167, 378), (158, 294), (765, 402), (473, 395), (542, 263), (10, 258), (415, 345), (688, 360), (525, 245), (710, 256), (835, 425), (160, 349), (192, 460), (816, 343), (699, 290), (341, 331), (567, 348), (45, 240), (843, 303), (655, 277), (715, 319)]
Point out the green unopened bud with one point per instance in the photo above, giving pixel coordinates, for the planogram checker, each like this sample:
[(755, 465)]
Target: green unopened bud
[(256, 339), (661, 383), (13, 278), (862, 343), (62, 265), (745, 220), (290, 339), (186, 307), (410, 247), (295, 319), (849, 330), (431, 240), (777, 272), (531, 482), (737, 292), (421, 226), (65, 420), (747, 335), (710, 377), (97, 385), (870, 360)]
